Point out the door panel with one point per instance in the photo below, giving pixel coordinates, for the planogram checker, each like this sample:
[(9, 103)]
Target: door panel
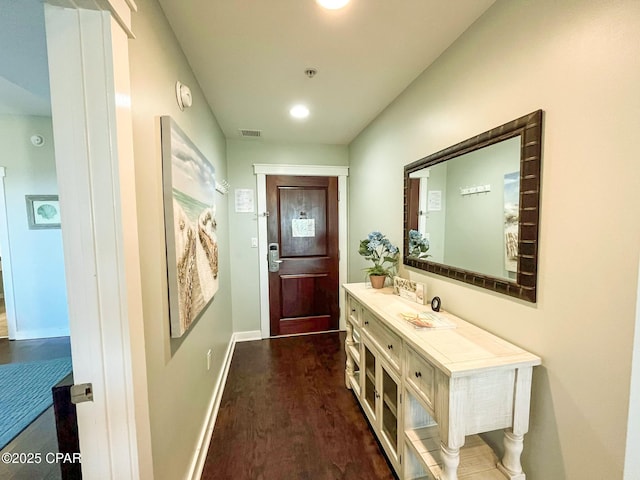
[(312, 287), (303, 221)]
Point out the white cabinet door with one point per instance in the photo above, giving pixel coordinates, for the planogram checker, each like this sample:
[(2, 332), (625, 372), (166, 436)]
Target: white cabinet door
[(389, 411)]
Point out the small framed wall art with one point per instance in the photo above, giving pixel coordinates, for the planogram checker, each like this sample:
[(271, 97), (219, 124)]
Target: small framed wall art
[(43, 211), (410, 290)]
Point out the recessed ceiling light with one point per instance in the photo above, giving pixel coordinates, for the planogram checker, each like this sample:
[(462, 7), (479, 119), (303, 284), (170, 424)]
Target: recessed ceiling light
[(332, 4), (299, 111)]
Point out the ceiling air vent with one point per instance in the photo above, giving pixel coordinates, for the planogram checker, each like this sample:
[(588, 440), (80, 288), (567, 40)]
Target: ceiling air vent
[(250, 133)]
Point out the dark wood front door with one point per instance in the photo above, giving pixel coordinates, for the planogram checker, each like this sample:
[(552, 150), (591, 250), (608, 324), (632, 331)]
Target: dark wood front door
[(303, 236)]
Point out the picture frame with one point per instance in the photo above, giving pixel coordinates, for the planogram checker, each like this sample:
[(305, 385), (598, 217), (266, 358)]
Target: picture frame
[(414, 291), (189, 184), (43, 211)]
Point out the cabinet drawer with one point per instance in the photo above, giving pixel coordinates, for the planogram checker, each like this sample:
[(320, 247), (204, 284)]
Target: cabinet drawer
[(387, 342), (354, 311), (420, 374)]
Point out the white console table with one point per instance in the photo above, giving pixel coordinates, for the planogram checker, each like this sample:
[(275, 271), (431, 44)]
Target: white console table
[(428, 393)]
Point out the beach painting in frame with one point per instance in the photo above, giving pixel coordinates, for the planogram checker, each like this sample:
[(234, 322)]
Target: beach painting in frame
[(511, 220), (190, 227)]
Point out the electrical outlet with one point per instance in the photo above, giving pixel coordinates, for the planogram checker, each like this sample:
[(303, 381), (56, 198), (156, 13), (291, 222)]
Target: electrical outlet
[(209, 360), (254, 242)]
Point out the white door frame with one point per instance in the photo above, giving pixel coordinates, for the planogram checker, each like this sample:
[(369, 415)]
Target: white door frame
[(261, 171), (7, 272), (631, 460), (92, 130)]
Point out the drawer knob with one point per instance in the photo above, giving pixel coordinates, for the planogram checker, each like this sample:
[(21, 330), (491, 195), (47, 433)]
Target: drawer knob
[(390, 347), (418, 374), (366, 322)]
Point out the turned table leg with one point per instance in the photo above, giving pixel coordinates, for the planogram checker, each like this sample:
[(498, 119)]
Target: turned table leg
[(510, 464), (450, 462), (514, 437)]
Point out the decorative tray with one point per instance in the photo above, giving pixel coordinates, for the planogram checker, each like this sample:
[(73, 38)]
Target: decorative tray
[(428, 320)]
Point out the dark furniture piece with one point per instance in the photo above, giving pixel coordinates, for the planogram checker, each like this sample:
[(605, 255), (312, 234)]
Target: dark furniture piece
[(66, 428)]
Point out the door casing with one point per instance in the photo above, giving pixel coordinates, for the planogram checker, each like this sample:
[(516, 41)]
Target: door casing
[(87, 48), (261, 171)]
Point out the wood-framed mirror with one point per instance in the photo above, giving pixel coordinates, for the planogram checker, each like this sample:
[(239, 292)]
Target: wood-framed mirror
[(477, 205)]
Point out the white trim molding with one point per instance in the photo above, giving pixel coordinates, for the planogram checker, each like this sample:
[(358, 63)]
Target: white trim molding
[(120, 9), (301, 170), (248, 336), (93, 137), (41, 333), (261, 171), (7, 272), (631, 459)]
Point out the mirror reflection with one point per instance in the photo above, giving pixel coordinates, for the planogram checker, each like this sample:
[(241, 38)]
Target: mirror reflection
[(468, 210), (477, 202)]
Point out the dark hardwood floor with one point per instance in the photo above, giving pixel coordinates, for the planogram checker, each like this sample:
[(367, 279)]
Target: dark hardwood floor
[(15, 351), (286, 414), (40, 436)]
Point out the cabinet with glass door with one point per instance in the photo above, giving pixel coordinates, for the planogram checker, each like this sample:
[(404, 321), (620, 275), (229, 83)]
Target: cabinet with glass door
[(381, 400)]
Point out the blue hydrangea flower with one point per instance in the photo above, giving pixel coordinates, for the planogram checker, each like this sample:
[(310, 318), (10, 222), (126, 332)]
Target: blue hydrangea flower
[(379, 249), (418, 245)]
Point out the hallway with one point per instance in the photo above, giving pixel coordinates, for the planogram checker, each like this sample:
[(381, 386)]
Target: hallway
[(285, 413)]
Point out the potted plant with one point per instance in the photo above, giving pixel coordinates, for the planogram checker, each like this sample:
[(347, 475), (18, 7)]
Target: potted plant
[(384, 255), (418, 245)]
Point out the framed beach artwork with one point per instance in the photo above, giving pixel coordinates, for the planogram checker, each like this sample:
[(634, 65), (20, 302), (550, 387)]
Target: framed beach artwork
[(511, 219), (43, 211), (190, 227)]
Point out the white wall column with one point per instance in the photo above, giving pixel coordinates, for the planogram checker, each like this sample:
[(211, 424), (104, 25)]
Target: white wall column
[(91, 106)]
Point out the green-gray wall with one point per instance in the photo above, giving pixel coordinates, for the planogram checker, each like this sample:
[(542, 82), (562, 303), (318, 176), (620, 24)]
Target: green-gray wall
[(579, 61), (241, 156), (180, 387), (474, 229)]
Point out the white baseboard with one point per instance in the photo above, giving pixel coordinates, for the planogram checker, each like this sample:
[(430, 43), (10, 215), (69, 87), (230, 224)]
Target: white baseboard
[(248, 336), (200, 455), (41, 333)]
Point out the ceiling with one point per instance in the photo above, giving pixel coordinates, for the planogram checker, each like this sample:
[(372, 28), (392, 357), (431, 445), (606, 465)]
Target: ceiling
[(24, 73), (249, 57)]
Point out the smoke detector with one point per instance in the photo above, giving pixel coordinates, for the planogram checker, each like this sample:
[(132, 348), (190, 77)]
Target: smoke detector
[(37, 140), (311, 72), (183, 96)]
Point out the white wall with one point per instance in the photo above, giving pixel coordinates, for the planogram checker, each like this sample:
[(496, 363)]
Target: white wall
[(579, 61), (37, 264), (242, 155), (180, 387)]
